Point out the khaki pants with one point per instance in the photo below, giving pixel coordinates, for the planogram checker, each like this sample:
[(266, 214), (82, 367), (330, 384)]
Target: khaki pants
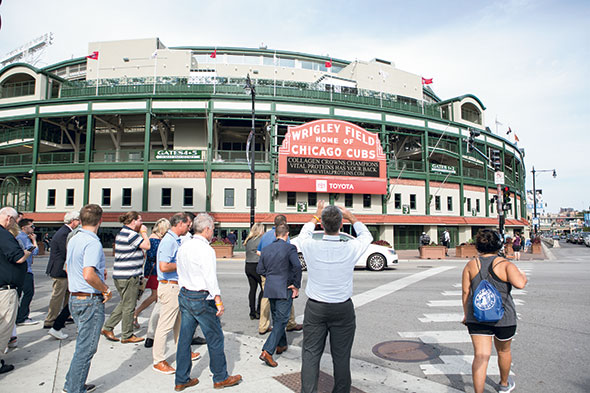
[(59, 299), (264, 322), (128, 290), (8, 310), (169, 319)]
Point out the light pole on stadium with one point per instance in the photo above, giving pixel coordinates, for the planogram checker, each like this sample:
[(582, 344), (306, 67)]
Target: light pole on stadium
[(534, 172), (250, 148)]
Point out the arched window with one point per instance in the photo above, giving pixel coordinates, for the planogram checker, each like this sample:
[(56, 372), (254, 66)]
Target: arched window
[(17, 85), (471, 113)]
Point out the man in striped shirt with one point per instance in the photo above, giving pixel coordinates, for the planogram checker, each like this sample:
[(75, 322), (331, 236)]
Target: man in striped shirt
[(130, 243)]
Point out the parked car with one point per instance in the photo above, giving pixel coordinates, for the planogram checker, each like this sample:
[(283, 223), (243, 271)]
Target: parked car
[(585, 238), (581, 237), (375, 258)]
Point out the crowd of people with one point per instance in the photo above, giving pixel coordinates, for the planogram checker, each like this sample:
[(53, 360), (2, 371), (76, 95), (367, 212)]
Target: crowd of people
[(178, 265)]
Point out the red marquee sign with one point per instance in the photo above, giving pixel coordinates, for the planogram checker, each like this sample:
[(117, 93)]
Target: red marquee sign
[(332, 156)]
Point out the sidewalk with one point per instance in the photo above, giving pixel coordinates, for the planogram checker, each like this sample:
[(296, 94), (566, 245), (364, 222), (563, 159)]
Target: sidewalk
[(42, 362)]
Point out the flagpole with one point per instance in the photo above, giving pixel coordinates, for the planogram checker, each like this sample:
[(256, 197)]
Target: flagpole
[(275, 75), (98, 71), (215, 74), (155, 71)]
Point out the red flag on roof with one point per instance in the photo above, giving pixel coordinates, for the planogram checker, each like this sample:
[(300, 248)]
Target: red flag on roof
[(328, 63), (426, 81), (93, 56), (214, 54)]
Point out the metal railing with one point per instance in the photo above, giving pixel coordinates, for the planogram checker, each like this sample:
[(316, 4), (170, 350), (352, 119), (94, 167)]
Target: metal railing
[(16, 159), (239, 156), (68, 157), (17, 134), (235, 86), (117, 156), (17, 89), (473, 173), (443, 145), (407, 165)]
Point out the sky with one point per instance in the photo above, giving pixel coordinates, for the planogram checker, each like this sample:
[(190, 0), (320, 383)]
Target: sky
[(527, 61)]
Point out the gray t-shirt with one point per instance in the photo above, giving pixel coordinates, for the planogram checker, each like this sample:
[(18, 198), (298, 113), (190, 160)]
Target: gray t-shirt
[(509, 318), (251, 248)]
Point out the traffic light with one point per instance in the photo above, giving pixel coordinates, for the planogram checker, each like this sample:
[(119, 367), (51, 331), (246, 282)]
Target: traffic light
[(506, 198), (496, 159)]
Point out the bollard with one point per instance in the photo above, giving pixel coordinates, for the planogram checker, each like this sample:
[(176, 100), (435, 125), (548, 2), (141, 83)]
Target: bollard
[(556, 243)]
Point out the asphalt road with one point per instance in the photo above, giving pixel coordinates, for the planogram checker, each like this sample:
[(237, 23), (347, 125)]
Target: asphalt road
[(419, 302)]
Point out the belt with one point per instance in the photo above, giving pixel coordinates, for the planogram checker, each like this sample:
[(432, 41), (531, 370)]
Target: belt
[(7, 286), (317, 301), (85, 294), (168, 282), (201, 291)]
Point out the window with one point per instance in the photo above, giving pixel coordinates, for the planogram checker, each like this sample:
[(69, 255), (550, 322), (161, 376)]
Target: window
[(70, 197), (228, 197), (412, 201), (166, 197), (312, 199), (106, 197), (291, 198), (248, 197), (469, 205), (188, 197), (51, 197), (347, 200), (437, 202), (366, 200), (397, 201), (450, 203), (470, 113), (126, 199), (477, 207)]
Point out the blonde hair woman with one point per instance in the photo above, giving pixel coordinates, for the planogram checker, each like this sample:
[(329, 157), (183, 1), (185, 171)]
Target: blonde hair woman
[(254, 280), (149, 268)]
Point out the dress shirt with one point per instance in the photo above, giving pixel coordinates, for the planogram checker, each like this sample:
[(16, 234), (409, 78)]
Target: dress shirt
[(196, 266), (330, 262)]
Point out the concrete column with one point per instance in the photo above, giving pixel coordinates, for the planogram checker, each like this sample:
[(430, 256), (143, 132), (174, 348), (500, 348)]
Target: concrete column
[(431, 230), (386, 233), (464, 234)]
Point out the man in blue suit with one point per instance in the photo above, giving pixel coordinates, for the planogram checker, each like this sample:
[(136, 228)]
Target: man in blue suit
[(280, 264)]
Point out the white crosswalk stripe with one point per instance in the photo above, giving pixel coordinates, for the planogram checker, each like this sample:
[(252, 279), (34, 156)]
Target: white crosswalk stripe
[(454, 364)]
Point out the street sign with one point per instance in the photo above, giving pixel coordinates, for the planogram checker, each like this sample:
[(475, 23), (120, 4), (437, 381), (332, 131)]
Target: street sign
[(499, 177), (301, 207), (406, 209)]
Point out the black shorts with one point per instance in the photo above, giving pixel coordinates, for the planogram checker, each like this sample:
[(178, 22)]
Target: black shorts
[(516, 248), (502, 333)]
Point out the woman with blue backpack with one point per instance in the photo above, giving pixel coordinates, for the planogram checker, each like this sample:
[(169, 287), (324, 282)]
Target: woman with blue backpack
[(489, 312)]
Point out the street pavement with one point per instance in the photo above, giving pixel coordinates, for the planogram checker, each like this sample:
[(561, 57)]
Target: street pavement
[(417, 301)]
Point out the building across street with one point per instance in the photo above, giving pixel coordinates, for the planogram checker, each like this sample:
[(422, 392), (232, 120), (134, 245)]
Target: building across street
[(140, 126)]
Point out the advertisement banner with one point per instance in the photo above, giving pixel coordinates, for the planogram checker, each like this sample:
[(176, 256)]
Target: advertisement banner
[(332, 156), (540, 201)]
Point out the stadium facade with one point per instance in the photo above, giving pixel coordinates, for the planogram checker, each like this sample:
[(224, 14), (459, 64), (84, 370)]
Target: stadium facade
[(137, 125)]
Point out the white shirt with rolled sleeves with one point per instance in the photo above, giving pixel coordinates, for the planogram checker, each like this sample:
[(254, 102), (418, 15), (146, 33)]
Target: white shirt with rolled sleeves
[(196, 266), (330, 262)]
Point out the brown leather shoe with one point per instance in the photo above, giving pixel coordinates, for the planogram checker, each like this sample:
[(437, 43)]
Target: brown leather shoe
[(266, 331), (182, 386), (109, 335), (267, 358), (295, 328), (164, 368), (281, 349), (133, 339), (230, 381)]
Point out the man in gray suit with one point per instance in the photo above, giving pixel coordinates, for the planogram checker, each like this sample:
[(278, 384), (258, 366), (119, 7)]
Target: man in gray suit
[(280, 265)]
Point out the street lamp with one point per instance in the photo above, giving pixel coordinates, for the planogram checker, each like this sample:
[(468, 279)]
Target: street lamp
[(535, 224), (250, 148)]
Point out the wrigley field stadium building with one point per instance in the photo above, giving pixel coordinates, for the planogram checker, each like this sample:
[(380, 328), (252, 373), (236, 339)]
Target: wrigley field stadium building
[(140, 126)]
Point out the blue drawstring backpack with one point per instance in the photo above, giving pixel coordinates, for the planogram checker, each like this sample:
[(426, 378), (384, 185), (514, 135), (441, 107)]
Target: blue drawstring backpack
[(487, 301)]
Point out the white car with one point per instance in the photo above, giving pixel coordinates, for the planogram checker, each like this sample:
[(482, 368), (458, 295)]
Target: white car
[(375, 258)]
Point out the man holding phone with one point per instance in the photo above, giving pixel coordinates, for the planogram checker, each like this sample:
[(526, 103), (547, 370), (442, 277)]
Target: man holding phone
[(28, 240)]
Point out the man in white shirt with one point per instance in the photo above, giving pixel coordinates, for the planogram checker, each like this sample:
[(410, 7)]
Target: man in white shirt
[(329, 309), (200, 302)]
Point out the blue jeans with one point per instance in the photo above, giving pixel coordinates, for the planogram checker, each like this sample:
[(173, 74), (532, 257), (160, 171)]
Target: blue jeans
[(280, 310), (196, 309), (25, 302), (88, 315)]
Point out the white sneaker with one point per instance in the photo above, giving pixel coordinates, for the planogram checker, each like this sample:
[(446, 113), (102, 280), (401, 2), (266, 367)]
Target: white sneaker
[(509, 388), (27, 321), (13, 343), (58, 334)]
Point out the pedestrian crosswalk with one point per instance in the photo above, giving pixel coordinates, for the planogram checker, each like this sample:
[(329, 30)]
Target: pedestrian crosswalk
[(452, 334)]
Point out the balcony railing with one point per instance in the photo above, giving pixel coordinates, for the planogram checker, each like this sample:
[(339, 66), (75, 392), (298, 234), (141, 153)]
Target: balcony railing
[(235, 86), (16, 159), (473, 173), (17, 134), (443, 145), (68, 157), (239, 156), (117, 156), (17, 89), (407, 165)]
